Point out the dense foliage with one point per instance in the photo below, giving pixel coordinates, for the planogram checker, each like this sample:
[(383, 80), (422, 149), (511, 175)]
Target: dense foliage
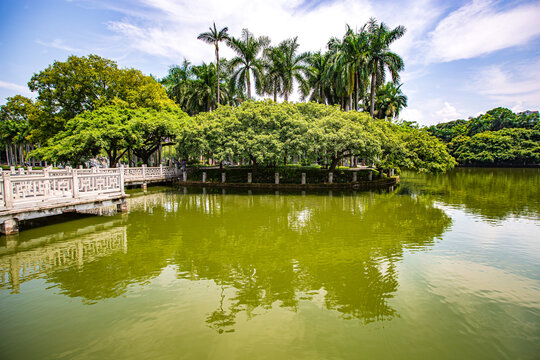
[(114, 130), (497, 138), (67, 89), (270, 134)]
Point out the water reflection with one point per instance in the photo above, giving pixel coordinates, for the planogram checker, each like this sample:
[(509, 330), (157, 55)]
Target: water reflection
[(493, 194), (22, 261), (262, 251)]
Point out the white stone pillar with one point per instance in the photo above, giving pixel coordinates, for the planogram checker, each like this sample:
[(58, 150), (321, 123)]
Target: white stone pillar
[(303, 178), (250, 178), (75, 184), (121, 180), (204, 177), (184, 176), (370, 176), (276, 177), (223, 177), (7, 191), (330, 178), (355, 176)]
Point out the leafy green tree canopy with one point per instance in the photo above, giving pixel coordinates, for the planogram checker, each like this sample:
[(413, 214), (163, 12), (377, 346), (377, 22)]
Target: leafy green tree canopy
[(67, 89)]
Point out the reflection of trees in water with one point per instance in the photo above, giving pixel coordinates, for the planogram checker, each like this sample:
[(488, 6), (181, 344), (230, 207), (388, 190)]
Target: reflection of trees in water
[(272, 249), (494, 193), (265, 250)]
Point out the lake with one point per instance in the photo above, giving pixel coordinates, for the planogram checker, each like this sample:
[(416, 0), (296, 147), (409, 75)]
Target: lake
[(442, 267)]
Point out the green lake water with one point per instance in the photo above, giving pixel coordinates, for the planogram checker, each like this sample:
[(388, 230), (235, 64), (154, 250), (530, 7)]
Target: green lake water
[(442, 267)]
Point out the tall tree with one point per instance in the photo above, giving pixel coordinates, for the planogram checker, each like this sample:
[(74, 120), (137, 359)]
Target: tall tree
[(215, 37), (272, 75), (67, 89), (380, 56), (292, 67), (317, 85), (247, 62)]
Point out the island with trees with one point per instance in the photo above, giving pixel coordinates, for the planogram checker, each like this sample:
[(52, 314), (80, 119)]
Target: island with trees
[(88, 107)]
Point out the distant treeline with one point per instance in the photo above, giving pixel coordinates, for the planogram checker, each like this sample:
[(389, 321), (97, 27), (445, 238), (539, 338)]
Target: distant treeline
[(499, 137)]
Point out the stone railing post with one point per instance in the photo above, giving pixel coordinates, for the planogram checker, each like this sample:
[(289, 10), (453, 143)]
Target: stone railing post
[(184, 176), (21, 171), (160, 170), (204, 177), (250, 177), (276, 177), (75, 184), (29, 168), (355, 176), (330, 178), (303, 178), (8, 193), (370, 176), (143, 171), (121, 180), (223, 177), (12, 169)]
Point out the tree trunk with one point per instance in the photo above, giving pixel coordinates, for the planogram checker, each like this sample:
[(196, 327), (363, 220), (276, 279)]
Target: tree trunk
[(254, 162), (372, 105), (275, 93), (7, 155), (248, 85), (357, 91), (334, 163), (217, 57), (21, 155)]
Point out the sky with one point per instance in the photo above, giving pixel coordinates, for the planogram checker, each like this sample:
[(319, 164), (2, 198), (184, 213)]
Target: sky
[(462, 57)]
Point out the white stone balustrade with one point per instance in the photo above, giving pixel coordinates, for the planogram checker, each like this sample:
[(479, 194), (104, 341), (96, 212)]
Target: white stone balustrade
[(131, 174), (49, 186)]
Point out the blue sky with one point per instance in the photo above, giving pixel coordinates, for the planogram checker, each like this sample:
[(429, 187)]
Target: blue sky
[(462, 57)]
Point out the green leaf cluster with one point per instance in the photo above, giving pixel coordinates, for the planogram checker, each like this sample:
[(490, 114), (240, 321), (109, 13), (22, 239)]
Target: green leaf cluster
[(113, 130)]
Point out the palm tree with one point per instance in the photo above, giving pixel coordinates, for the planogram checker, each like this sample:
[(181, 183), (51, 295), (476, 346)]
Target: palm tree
[(317, 85), (215, 37), (389, 102), (293, 67), (272, 84), (177, 81), (380, 56), (247, 62), (202, 91)]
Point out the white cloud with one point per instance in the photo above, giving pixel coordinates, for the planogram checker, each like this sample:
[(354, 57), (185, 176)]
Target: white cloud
[(15, 87), (447, 113), (510, 85), (58, 44), (477, 29), (410, 114)]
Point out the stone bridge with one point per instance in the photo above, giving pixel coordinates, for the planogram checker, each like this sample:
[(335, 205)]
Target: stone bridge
[(28, 194)]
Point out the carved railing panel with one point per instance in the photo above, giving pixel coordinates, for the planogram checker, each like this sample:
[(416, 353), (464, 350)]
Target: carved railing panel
[(99, 183), (28, 189)]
